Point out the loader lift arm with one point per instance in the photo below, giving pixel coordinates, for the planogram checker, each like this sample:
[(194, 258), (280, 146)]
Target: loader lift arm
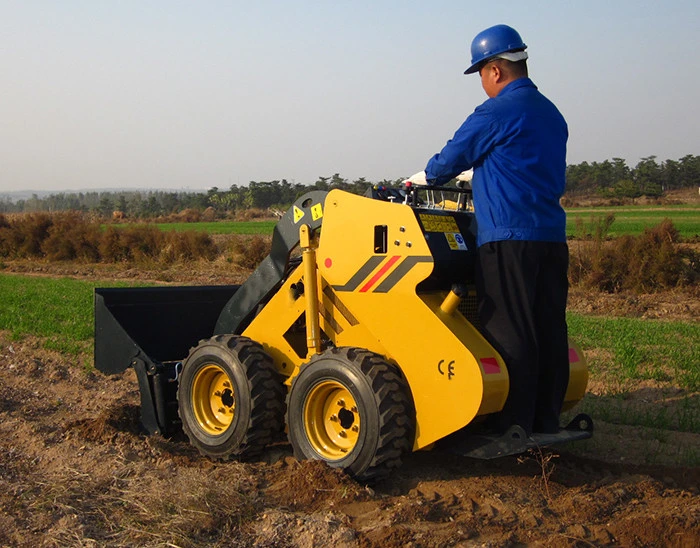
[(267, 278)]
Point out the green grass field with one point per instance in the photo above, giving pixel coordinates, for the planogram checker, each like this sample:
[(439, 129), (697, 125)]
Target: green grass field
[(58, 310), (213, 227), (634, 219), (61, 311), (628, 220), (223, 227)]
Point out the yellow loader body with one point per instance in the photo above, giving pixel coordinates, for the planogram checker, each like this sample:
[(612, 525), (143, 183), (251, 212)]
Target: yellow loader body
[(357, 338), (373, 300)]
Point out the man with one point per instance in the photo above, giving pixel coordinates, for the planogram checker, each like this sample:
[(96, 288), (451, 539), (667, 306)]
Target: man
[(516, 144)]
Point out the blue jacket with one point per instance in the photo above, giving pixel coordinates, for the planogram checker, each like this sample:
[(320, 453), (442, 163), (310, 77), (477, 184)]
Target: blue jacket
[(516, 143)]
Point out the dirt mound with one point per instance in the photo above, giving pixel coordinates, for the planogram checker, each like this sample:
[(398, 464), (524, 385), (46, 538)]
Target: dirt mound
[(311, 485), (108, 425)]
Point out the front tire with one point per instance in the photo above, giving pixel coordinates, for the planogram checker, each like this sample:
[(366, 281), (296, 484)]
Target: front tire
[(352, 409), (230, 398)]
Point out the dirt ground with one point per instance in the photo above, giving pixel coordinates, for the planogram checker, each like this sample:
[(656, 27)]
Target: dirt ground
[(75, 470)]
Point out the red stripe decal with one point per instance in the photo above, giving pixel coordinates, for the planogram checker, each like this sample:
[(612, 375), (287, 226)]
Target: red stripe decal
[(573, 356), (373, 280), (490, 366)]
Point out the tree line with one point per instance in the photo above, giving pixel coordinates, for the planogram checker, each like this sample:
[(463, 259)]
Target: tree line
[(610, 178), (613, 178)]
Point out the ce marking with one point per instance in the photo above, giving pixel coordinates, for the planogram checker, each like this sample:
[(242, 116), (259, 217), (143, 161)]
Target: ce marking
[(450, 369)]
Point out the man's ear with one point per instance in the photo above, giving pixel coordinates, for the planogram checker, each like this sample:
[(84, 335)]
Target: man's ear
[(498, 73)]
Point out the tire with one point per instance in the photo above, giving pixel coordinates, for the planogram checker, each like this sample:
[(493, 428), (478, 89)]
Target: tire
[(353, 410), (230, 398)]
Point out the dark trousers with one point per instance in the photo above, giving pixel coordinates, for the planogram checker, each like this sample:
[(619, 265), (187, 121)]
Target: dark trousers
[(522, 288)]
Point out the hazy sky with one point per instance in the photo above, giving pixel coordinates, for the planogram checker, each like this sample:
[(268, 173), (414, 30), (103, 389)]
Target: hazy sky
[(195, 94)]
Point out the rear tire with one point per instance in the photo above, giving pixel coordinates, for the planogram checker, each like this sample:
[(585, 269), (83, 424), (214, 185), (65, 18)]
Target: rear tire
[(230, 398), (352, 409)]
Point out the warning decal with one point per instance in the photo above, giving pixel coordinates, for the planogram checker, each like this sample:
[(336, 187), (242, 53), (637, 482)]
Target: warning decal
[(298, 214), (316, 211), (456, 241), (438, 223)]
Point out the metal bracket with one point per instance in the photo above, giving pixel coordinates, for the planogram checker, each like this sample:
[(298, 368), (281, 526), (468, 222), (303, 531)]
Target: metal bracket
[(515, 440), (149, 416)]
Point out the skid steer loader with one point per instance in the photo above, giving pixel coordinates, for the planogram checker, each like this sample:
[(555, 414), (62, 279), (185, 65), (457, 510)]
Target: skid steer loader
[(357, 336)]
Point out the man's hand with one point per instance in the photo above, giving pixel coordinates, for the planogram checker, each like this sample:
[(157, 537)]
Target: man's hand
[(417, 179), (465, 176)]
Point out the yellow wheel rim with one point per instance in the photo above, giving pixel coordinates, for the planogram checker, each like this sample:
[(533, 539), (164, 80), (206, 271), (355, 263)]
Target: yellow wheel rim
[(331, 420), (213, 399)]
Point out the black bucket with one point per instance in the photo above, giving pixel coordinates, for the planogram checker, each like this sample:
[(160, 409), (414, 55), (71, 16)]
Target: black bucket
[(152, 330), (159, 324)]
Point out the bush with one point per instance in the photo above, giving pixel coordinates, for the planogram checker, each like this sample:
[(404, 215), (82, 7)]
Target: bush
[(250, 252), (7, 237), (112, 249), (27, 234), (188, 246), (643, 264), (597, 228), (135, 243), (71, 238)]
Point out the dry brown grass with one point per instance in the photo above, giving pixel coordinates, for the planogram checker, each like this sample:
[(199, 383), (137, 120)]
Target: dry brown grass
[(249, 251), (251, 214), (73, 237), (646, 263), (654, 261)]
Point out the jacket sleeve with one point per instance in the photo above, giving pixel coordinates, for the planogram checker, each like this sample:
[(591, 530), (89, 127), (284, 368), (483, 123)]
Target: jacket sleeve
[(466, 149)]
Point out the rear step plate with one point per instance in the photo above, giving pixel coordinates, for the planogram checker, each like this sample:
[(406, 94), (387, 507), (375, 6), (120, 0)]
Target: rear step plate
[(516, 441)]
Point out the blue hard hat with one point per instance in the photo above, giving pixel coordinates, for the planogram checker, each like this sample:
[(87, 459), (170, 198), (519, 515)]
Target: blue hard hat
[(492, 42)]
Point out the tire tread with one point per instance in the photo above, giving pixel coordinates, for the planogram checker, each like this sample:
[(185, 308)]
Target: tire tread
[(267, 395), (395, 409)]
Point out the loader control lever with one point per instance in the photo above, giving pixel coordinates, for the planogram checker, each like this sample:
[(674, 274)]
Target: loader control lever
[(438, 197), (386, 193)]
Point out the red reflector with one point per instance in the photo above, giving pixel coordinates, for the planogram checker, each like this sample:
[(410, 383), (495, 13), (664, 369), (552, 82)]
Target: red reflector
[(573, 356), (490, 366)]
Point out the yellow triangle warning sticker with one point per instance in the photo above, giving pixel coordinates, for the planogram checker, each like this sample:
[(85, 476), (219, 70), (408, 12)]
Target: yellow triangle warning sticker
[(316, 211), (298, 214)]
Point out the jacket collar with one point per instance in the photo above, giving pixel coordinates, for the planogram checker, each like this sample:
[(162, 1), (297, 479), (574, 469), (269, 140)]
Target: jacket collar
[(517, 84)]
